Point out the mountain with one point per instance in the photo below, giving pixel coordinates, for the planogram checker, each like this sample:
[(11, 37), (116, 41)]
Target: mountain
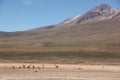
[(101, 12), (96, 30)]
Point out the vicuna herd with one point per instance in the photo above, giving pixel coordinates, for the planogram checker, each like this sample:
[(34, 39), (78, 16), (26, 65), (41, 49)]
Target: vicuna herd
[(31, 67)]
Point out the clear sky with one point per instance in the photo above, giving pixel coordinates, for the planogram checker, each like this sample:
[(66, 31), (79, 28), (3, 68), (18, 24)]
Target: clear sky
[(17, 15)]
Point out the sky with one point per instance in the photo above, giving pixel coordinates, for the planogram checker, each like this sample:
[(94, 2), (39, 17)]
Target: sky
[(20, 15)]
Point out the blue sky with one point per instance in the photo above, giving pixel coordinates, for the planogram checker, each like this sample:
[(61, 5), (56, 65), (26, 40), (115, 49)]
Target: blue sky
[(18, 15)]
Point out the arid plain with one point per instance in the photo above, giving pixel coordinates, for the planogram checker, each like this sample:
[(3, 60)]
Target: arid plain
[(62, 72)]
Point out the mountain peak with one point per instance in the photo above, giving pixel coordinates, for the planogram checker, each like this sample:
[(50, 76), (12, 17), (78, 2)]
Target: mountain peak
[(100, 12), (102, 7)]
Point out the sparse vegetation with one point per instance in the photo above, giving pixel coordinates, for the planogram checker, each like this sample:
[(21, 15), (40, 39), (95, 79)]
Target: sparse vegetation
[(61, 57), (95, 36)]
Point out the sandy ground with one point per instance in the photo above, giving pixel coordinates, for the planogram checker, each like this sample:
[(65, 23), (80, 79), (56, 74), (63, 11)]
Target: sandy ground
[(63, 72)]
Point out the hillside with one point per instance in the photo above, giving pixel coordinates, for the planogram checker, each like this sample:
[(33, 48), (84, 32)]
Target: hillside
[(98, 31), (98, 36)]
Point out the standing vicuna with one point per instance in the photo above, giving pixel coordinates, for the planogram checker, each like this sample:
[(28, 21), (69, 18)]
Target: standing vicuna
[(23, 66), (13, 67), (56, 66)]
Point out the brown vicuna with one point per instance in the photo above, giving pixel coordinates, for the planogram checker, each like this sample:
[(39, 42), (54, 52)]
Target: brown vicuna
[(33, 67), (56, 66), (38, 67), (28, 67), (13, 67), (20, 67)]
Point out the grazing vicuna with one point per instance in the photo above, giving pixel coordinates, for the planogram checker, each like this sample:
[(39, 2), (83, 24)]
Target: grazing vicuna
[(33, 67), (56, 66), (19, 67), (28, 67), (79, 68), (13, 67), (38, 67)]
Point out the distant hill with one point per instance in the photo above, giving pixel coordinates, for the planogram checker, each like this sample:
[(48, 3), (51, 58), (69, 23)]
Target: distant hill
[(96, 30)]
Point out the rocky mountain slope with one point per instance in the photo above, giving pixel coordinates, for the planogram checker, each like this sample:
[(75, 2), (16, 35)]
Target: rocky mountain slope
[(101, 12)]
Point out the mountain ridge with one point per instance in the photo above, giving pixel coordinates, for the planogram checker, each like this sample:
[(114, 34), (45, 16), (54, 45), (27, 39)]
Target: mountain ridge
[(100, 12)]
